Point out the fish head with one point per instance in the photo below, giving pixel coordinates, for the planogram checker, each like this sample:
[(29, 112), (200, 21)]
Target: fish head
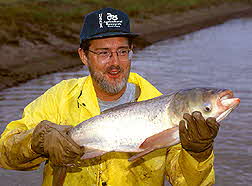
[(211, 102)]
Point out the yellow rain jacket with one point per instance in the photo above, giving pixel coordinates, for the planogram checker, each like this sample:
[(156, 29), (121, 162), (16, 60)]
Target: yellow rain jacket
[(73, 101)]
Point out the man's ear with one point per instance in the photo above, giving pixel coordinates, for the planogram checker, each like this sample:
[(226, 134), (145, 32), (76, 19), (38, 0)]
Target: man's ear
[(83, 56), (131, 47), (131, 52)]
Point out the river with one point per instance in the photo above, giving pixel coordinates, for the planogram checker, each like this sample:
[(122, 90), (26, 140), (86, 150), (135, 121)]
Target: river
[(219, 56)]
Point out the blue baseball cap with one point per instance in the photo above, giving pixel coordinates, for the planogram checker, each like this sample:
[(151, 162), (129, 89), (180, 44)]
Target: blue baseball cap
[(107, 22)]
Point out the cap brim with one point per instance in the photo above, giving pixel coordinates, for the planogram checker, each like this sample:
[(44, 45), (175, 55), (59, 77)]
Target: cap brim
[(113, 34)]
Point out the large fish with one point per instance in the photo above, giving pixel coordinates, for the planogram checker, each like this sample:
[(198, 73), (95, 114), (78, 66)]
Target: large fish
[(146, 126), (149, 125)]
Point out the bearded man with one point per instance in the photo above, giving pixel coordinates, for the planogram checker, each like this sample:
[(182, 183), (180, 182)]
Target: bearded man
[(106, 45)]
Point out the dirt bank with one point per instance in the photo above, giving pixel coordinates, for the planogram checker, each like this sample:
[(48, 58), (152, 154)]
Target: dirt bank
[(29, 59)]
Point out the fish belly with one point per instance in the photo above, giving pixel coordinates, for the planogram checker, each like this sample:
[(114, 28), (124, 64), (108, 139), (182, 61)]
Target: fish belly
[(124, 135)]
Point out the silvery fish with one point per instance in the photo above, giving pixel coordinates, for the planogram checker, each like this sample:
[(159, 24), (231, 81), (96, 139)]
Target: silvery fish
[(149, 125)]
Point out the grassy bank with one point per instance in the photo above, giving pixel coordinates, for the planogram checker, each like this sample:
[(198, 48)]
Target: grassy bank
[(38, 37), (30, 19)]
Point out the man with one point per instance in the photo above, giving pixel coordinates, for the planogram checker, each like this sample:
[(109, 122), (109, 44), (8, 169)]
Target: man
[(41, 135)]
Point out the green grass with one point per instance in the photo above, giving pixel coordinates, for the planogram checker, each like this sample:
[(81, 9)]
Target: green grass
[(21, 18)]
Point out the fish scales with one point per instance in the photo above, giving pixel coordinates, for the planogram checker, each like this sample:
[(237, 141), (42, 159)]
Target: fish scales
[(152, 124), (124, 126)]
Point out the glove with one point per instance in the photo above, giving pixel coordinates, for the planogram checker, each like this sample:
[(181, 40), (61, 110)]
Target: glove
[(197, 139), (51, 140)]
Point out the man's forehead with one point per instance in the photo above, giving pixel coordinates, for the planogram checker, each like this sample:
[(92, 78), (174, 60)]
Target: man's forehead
[(109, 42)]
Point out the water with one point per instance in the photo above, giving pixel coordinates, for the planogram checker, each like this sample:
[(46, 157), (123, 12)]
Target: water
[(219, 56)]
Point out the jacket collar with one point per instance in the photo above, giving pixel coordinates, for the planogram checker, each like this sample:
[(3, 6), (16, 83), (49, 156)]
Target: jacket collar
[(87, 97)]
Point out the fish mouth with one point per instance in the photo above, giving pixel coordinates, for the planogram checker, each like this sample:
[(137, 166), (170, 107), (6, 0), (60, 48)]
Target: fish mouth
[(227, 103)]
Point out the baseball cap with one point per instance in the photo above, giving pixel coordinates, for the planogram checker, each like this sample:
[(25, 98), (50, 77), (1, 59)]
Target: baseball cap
[(106, 22)]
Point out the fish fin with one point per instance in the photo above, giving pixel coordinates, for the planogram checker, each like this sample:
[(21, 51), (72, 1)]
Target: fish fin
[(92, 153), (141, 154), (160, 140)]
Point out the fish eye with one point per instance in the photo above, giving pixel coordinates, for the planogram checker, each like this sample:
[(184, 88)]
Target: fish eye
[(207, 107)]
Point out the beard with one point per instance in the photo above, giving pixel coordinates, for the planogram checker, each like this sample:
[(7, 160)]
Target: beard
[(110, 87)]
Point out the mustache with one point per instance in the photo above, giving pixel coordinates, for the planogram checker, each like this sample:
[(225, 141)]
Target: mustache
[(113, 67)]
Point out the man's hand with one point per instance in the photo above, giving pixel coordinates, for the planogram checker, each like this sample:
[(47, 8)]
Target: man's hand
[(52, 141), (197, 139)]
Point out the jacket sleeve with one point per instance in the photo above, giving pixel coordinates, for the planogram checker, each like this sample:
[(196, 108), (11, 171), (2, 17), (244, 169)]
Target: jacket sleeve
[(15, 141), (183, 169)]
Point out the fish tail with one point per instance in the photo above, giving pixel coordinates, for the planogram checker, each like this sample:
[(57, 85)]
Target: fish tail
[(59, 175)]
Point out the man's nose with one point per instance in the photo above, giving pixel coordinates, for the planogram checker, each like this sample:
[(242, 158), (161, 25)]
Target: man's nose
[(114, 58)]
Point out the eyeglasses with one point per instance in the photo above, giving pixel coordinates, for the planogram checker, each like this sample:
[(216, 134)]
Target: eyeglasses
[(104, 55)]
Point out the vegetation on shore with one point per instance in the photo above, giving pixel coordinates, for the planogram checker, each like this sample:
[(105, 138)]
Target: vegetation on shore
[(30, 19), (36, 34)]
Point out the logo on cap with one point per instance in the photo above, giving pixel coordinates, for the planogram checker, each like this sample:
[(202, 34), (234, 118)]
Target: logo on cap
[(111, 17), (100, 20), (112, 21)]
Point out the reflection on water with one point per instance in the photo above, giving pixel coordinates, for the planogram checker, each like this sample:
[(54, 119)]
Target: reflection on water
[(215, 57)]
